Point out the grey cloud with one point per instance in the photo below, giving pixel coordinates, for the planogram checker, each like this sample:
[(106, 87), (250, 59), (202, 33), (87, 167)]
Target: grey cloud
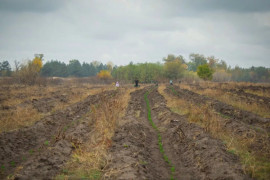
[(232, 5), (124, 31), (199, 7), (40, 6)]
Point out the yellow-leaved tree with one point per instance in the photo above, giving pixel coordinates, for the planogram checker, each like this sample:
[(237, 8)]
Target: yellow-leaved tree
[(37, 61), (104, 75), (29, 72)]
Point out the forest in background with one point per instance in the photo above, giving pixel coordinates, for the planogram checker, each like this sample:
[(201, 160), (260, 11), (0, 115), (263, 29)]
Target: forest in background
[(172, 67)]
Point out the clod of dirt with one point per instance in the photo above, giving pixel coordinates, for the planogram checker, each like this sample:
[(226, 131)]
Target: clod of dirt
[(43, 105)]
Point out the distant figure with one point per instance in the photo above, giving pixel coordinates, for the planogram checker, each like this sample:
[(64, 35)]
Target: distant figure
[(136, 83), (117, 84), (179, 81), (171, 83)]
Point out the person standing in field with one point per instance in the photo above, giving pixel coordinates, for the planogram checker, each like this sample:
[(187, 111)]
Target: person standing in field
[(136, 83), (117, 84), (171, 83)]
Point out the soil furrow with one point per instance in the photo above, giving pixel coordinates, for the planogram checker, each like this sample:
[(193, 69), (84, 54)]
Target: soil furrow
[(135, 151), (40, 150), (195, 154)]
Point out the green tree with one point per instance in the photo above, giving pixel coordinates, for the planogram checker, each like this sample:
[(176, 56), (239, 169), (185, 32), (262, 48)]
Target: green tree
[(174, 67), (5, 69), (195, 61), (172, 57), (74, 68), (54, 68), (205, 72)]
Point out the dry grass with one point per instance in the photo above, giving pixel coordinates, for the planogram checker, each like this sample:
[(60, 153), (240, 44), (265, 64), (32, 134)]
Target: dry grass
[(90, 160), (254, 163), (201, 115), (21, 117), (258, 92), (232, 99), (14, 116)]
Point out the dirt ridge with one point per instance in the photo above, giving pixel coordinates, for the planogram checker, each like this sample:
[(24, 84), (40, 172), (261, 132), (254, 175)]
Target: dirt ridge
[(40, 150)]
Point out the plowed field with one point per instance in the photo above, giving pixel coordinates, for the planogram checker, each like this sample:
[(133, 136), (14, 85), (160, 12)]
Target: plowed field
[(147, 139)]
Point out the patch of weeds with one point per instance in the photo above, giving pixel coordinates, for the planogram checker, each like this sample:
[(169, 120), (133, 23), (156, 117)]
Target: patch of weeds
[(142, 162), (65, 171), (173, 90), (60, 177), (23, 158), (12, 163), (224, 116), (31, 151), (46, 143), (232, 151), (126, 146), (65, 128), (2, 168), (10, 176), (257, 129), (95, 174)]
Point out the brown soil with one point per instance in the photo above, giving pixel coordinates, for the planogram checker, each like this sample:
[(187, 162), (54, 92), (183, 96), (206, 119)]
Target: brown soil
[(194, 153), (42, 149), (236, 121)]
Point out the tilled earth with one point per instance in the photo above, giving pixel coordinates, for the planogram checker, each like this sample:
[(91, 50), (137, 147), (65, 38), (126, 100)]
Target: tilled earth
[(39, 151), (193, 152), (238, 122)]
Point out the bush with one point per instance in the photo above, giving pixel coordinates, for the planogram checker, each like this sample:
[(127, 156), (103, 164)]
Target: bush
[(29, 73), (205, 72)]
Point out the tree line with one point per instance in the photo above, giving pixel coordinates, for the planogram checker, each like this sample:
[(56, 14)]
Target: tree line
[(172, 67), (74, 68)]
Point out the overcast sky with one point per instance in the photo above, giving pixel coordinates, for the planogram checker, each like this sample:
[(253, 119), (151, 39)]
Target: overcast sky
[(237, 31)]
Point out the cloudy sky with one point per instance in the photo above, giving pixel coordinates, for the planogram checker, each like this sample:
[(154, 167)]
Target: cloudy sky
[(237, 31)]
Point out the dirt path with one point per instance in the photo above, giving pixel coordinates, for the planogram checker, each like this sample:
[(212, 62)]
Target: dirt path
[(195, 154), (41, 150)]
